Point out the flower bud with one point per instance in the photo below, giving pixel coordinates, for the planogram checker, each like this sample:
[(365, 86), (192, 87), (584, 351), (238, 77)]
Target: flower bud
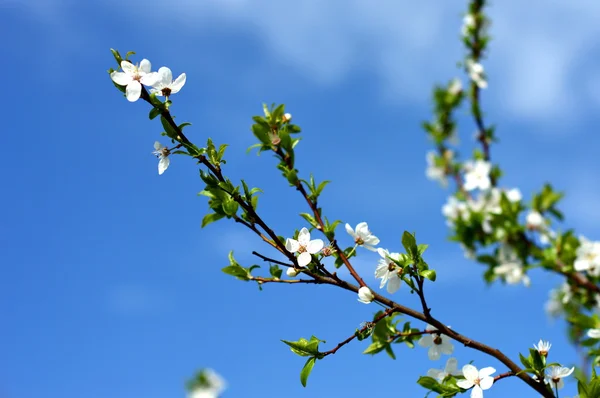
[(292, 272), (286, 118), (365, 295)]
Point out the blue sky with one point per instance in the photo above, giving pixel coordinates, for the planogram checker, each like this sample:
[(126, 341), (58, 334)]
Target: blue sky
[(111, 289)]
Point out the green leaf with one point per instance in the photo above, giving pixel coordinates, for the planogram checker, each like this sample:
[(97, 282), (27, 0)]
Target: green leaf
[(375, 347), (154, 112), (230, 207), (311, 220), (429, 274), (410, 244), (237, 271), (169, 129), (308, 366), (210, 218), (275, 271), (117, 56), (305, 348)]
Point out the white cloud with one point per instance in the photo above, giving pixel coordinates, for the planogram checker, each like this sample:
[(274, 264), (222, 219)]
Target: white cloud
[(537, 50)]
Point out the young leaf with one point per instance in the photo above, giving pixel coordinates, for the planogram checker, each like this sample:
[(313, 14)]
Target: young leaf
[(308, 366)]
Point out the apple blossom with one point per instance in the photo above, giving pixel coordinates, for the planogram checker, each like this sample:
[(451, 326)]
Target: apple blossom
[(510, 267), (588, 257), (365, 295), (455, 86), (435, 172), (543, 347), (362, 236), (555, 375), (451, 368), (593, 333), (163, 155), (468, 24), (534, 220), (479, 380), (476, 73), (132, 77), (165, 85), (388, 270), (477, 175), (438, 344), (304, 246), (513, 195)]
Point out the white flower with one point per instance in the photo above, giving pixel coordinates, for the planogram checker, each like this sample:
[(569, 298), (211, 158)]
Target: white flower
[(291, 272), (555, 375), (450, 369), (164, 84), (476, 73), (514, 195), (455, 86), (534, 220), (163, 155), (388, 271), (213, 388), (362, 236), (593, 333), (510, 267), (133, 77), (433, 171), (468, 24), (438, 344), (304, 246), (365, 295), (588, 257), (543, 347), (479, 380), (477, 175), (453, 209), (286, 118)]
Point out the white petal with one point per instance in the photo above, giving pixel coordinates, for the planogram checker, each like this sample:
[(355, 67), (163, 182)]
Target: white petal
[(150, 79), (434, 352), (446, 347), (292, 245), (166, 76), (436, 374), (121, 78), (476, 392), (393, 284), (128, 68), (314, 246), (178, 83), (133, 91), (466, 384), (350, 230), (486, 382), (304, 259), (145, 66), (157, 146), (426, 341), (470, 372), (485, 372), (451, 366), (163, 164), (384, 253), (594, 333), (304, 237)]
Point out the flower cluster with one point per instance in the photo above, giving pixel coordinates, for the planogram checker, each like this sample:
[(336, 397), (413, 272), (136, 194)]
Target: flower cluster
[(133, 77), (588, 257)]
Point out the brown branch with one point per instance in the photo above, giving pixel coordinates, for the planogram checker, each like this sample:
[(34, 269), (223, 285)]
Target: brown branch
[(371, 324), (321, 226), (262, 280), (271, 260), (392, 306)]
